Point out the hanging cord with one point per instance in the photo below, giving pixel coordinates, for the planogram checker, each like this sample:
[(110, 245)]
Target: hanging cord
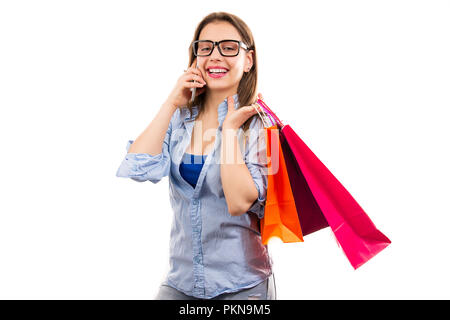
[(263, 116), (270, 112)]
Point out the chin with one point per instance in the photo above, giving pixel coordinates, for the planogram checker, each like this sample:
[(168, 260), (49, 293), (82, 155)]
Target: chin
[(219, 87)]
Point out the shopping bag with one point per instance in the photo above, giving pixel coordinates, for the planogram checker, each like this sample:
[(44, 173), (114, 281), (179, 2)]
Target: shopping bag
[(308, 211), (355, 232), (280, 214), (309, 214)]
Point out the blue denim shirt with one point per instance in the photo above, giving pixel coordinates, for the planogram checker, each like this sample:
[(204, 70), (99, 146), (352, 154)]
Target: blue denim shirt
[(211, 251)]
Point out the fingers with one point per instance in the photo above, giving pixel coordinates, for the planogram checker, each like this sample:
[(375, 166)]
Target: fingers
[(255, 107), (196, 78), (196, 84), (194, 74), (252, 109), (193, 71), (193, 68)]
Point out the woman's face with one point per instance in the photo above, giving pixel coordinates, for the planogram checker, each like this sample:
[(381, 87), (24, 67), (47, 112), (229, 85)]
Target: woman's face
[(217, 31)]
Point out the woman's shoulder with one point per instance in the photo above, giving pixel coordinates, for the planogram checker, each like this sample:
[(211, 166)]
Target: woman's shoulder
[(183, 113), (178, 116)]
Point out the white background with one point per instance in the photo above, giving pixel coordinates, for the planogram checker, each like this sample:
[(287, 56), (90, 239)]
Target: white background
[(364, 83)]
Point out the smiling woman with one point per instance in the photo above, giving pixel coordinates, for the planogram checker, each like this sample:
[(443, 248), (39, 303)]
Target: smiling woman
[(224, 41), (215, 248)]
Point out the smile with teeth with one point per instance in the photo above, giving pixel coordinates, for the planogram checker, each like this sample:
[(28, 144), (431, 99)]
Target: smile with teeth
[(217, 70), (217, 73)]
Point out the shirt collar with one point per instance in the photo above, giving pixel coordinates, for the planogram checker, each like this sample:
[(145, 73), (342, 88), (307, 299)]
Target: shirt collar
[(222, 110)]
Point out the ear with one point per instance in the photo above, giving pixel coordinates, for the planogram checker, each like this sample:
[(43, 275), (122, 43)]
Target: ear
[(249, 60)]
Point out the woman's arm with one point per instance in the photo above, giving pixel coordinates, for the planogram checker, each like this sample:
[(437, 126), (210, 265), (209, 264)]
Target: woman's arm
[(151, 139), (148, 157), (238, 186)]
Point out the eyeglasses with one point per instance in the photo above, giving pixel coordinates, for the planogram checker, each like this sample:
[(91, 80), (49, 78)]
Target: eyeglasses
[(227, 48)]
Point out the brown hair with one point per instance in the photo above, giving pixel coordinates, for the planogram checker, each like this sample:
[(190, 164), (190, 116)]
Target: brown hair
[(248, 85)]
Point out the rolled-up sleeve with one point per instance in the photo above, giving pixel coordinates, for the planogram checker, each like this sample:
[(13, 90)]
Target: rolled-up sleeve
[(143, 166), (256, 160)]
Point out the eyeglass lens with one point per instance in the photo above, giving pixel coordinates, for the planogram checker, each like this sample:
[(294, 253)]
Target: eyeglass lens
[(228, 48)]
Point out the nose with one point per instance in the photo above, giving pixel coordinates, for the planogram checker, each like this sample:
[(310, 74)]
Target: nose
[(215, 53)]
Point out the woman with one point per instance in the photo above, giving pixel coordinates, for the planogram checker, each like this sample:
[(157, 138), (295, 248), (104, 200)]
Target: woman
[(213, 150)]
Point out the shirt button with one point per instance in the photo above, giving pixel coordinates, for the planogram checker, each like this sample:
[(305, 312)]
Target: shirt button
[(195, 202)]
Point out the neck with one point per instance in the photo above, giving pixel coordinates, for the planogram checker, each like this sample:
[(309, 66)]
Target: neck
[(214, 98)]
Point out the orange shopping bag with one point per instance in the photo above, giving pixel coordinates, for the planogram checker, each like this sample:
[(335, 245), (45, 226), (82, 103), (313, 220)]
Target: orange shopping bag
[(280, 215)]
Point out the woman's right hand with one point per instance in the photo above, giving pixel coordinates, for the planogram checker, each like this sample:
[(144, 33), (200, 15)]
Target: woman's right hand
[(181, 93)]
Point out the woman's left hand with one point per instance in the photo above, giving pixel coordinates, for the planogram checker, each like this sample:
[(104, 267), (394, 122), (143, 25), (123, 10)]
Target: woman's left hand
[(235, 118)]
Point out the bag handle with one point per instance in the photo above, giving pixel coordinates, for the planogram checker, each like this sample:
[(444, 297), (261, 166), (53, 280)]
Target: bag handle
[(263, 117), (267, 114), (270, 112)]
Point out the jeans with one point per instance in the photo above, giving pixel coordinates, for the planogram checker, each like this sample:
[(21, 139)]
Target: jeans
[(266, 290)]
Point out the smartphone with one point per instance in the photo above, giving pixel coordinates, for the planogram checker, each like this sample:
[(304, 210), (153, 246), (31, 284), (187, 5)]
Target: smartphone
[(194, 90)]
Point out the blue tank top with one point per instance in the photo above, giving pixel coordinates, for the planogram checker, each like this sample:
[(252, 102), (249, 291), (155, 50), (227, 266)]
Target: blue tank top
[(190, 167)]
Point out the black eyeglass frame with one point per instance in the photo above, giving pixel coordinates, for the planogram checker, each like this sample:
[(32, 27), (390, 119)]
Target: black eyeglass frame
[(217, 43)]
